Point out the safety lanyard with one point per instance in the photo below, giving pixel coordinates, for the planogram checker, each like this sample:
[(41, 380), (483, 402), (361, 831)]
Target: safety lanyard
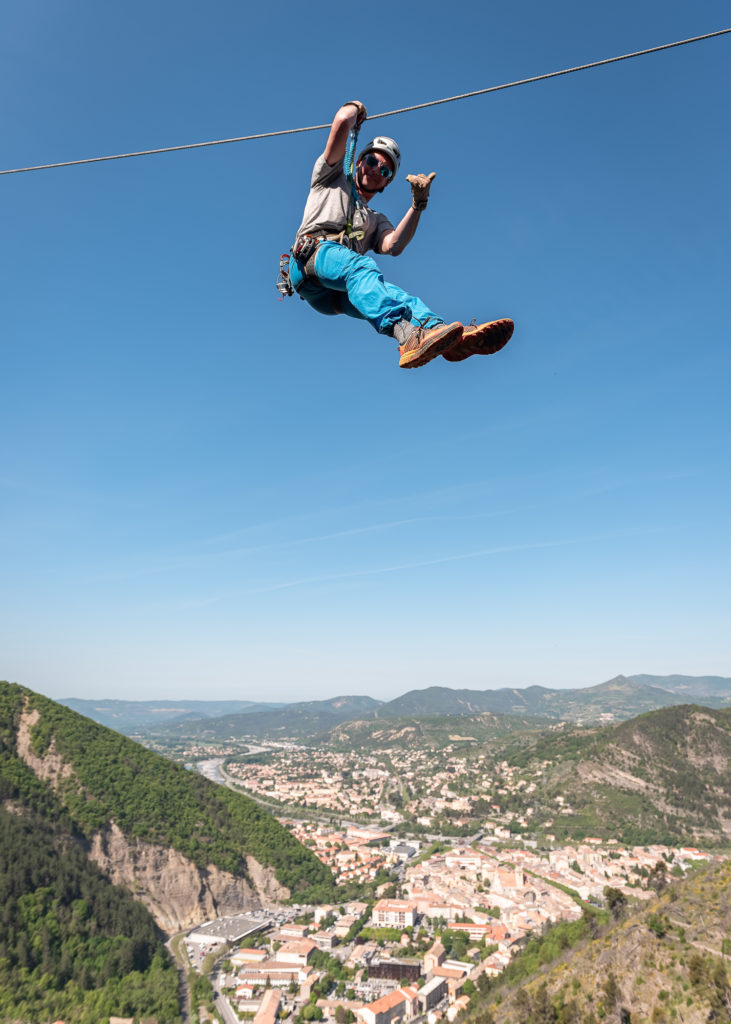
[(354, 200)]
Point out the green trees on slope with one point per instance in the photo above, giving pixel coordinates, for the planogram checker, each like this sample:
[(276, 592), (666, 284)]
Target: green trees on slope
[(160, 802), (71, 944)]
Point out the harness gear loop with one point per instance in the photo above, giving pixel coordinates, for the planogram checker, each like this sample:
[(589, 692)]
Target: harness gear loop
[(284, 285)]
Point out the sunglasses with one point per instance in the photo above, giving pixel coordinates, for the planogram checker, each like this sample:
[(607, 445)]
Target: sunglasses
[(373, 161)]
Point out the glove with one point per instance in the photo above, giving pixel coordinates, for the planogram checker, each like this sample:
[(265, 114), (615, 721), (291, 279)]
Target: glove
[(420, 185), (362, 113)]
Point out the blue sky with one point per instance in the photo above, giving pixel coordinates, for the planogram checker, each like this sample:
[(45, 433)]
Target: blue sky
[(205, 492)]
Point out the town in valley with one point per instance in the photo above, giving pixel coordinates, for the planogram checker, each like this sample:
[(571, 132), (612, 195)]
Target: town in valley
[(448, 912)]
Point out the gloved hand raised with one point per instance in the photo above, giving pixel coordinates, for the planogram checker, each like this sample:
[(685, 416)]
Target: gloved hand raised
[(360, 107), (420, 185)]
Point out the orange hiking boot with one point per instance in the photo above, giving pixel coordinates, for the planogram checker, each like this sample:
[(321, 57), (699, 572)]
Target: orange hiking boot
[(419, 345), (481, 340)]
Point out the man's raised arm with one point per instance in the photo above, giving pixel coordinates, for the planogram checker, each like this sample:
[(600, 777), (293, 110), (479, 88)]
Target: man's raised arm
[(351, 113), (396, 241)]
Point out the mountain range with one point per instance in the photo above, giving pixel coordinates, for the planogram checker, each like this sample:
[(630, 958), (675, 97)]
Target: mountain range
[(308, 718), (617, 699)]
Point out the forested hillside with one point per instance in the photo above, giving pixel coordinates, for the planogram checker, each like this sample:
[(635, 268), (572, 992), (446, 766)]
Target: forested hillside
[(150, 798), (661, 777), (72, 945)]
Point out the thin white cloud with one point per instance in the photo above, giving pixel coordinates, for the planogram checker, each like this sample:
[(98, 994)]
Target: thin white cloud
[(207, 557), (464, 556), (400, 567)]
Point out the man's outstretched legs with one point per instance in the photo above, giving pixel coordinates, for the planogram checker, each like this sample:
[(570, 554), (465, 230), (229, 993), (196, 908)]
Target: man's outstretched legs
[(351, 283)]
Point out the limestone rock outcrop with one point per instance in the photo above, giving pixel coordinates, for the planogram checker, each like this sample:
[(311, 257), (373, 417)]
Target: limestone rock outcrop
[(176, 891), (50, 766)]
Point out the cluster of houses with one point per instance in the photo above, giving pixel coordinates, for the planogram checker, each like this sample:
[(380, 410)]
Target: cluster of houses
[(324, 779), (527, 889), (496, 903), (358, 783), (353, 854), (275, 980)]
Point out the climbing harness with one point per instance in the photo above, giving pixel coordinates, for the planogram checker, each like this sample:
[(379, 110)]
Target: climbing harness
[(304, 251), (306, 245)]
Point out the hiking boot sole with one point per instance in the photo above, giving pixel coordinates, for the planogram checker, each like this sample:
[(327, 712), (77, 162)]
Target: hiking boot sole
[(436, 343), (483, 340)]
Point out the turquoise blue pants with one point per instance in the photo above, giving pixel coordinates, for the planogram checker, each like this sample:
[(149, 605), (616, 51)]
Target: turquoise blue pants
[(353, 284)]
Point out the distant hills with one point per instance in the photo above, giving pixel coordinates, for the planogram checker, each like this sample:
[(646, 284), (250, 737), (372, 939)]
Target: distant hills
[(617, 698), (433, 732), (620, 698), (133, 717), (717, 687), (299, 721)]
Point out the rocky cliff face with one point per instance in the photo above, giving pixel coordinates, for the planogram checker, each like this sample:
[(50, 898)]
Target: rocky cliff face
[(50, 767), (176, 891)]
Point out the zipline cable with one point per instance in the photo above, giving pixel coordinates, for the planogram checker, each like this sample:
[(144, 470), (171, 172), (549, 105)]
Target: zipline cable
[(373, 117)]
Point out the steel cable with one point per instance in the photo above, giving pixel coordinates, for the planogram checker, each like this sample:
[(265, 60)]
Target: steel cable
[(372, 117)]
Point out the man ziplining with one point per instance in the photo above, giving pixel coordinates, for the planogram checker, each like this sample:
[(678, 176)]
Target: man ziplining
[(329, 267)]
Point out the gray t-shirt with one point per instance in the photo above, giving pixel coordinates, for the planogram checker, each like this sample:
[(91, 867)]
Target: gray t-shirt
[(326, 210)]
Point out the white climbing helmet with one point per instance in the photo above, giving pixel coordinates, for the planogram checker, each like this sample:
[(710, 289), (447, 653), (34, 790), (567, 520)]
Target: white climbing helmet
[(382, 144)]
